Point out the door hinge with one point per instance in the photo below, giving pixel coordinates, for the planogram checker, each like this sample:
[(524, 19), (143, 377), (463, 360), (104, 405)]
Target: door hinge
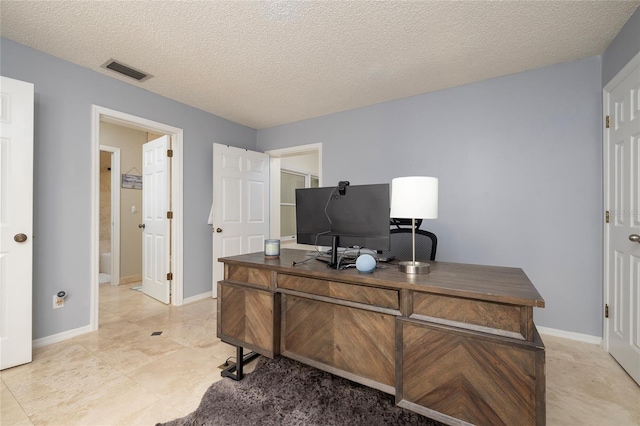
[(170, 152), (169, 276), (607, 216), (606, 311), (606, 122), (169, 215)]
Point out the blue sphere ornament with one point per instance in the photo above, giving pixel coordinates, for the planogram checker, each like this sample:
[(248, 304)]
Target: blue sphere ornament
[(365, 263)]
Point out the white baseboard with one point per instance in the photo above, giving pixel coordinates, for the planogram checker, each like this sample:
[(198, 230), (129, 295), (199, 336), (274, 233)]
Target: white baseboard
[(197, 297), (587, 338), (55, 338), (130, 279)]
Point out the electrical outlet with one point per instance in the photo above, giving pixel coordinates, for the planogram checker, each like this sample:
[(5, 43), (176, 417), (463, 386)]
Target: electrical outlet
[(58, 302)]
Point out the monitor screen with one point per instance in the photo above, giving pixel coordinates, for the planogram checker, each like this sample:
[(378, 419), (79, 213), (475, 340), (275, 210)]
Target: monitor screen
[(358, 217)]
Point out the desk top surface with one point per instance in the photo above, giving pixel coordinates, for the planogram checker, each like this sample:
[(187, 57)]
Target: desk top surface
[(491, 283)]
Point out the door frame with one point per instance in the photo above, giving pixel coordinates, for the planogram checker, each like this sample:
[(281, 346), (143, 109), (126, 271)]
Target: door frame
[(99, 114), (115, 213), (622, 74)]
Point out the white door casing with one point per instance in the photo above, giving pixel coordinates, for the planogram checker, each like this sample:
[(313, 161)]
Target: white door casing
[(155, 205), (16, 221), (622, 201), (240, 209)]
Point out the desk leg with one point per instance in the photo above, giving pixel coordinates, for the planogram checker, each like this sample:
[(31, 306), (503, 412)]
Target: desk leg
[(237, 367)]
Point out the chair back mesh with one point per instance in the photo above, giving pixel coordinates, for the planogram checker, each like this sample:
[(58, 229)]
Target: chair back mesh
[(426, 244)]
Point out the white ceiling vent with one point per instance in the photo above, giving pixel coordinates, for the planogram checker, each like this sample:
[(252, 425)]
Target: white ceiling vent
[(123, 69)]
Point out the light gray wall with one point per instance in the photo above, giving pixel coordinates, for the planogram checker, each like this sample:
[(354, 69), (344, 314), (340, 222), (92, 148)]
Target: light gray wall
[(519, 163), (622, 49), (64, 94)]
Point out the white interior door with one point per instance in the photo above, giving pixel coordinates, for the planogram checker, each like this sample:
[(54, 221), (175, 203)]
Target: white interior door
[(156, 231), (240, 210), (622, 234), (16, 221)]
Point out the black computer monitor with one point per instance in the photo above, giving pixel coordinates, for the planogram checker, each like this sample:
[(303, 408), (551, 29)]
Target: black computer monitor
[(343, 216)]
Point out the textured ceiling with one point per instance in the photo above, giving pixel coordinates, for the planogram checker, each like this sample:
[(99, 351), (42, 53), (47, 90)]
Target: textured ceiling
[(267, 63)]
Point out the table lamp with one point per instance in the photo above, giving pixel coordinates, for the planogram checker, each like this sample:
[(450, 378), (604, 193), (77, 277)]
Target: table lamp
[(414, 197)]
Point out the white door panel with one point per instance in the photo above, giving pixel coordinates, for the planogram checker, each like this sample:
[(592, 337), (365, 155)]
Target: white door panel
[(240, 210), (255, 243), (155, 205), (231, 246), (16, 221), (232, 194), (256, 210), (622, 255)]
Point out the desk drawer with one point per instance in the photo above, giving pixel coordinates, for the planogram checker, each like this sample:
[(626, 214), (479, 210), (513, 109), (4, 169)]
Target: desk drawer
[(495, 318), (261, 277), (382, 297)]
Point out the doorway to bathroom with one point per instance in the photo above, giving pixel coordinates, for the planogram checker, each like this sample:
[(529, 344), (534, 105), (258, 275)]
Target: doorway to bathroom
[(109, 246), (118, 255), (122, 227)]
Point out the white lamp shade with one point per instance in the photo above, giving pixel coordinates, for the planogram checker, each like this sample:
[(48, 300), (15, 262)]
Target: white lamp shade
[(414, 197)]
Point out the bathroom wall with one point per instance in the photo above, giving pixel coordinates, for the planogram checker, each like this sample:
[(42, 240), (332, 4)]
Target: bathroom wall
[(307, 163), (105, 202), (130, 142), (153, 136)]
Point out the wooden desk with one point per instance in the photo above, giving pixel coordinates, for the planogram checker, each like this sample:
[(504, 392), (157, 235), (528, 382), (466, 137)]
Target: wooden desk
[(456, 344)]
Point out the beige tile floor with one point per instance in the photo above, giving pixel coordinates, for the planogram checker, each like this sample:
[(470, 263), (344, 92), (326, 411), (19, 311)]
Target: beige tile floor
[(121, 375)]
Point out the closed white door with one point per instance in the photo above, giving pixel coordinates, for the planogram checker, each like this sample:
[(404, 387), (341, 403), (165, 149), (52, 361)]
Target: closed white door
[(156, 231), (240, 210), (16, 221), (622, 233)]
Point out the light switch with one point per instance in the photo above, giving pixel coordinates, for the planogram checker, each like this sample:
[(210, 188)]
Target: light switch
[(133, 209)]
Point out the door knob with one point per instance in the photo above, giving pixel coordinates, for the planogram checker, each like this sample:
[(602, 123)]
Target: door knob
[(218, 230), (635, 238), (20, 238), (141, 226)]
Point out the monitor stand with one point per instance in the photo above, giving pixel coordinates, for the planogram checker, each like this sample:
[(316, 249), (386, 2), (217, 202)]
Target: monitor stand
[(334, 252)]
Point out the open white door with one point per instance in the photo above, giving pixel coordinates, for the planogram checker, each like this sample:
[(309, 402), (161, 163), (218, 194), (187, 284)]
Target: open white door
[(622, 233), (155, 208), (240, 210), (16, 221)]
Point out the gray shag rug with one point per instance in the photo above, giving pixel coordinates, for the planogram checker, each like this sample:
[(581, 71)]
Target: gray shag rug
[(282, 391)]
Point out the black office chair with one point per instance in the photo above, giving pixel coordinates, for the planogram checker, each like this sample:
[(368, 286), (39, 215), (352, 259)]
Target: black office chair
[(401, 246), (404, 223)]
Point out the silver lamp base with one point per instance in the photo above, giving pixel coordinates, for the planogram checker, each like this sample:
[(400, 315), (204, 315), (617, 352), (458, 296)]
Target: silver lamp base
[(409, 267)]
